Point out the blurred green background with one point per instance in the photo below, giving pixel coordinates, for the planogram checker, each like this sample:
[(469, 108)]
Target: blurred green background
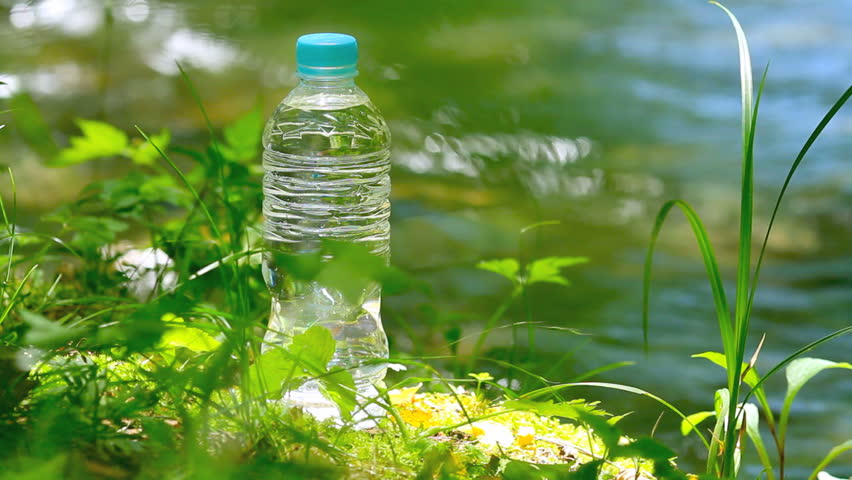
[(507, 113)]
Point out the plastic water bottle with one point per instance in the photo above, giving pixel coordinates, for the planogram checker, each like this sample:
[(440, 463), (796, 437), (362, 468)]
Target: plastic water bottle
[(326, 161)]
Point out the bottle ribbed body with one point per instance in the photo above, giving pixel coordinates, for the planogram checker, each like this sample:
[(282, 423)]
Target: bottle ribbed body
[(326, 161)]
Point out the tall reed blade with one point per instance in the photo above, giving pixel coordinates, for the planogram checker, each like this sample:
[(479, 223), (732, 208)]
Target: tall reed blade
[(838, 104), (710, 264), (749, 116)]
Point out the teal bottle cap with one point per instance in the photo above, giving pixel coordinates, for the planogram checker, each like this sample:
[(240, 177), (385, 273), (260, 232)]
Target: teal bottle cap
[(327, 56)]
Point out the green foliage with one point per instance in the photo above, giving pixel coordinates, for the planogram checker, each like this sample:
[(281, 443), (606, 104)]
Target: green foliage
[(734, 331), (576, 409), (692, 421), (31, 126), (99, 140), (799, 372), (834, 453), (548, 269), (516, 470), (44, 333), (242, 138), (102, 140)]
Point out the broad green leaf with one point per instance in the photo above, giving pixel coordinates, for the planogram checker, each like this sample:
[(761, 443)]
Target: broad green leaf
[(507, 267), (339, 386), (145, 154), (607, 433), (351, 270), (481, 377), (185, 335), (518, 470), (94, 232), (242, 138), (799, 372), (99, 140), (548, 269), (31, 126), (834, 453), (692, 421), (45, 333), (269, 373), (751, 377), (644, 447), (803, 369), (752, 420), (314, 347)]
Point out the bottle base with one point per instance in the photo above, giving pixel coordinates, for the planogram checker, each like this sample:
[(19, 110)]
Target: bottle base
[(311, 399)]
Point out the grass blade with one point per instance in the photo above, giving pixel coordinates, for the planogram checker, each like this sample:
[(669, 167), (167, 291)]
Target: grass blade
[(838, 104), (615, 386), (185, 181), (834, 453), (710, 265), (16, 293), (749, 117), (746, 82), (797, 354)]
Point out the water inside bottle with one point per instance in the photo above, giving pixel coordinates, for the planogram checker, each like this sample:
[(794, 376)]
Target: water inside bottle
[(327, 177)]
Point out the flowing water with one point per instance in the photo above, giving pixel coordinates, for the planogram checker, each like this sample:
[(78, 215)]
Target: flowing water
[(508, 113)]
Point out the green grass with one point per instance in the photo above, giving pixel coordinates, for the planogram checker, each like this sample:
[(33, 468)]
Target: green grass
[(98, 381), (171, 382), (734, 329)]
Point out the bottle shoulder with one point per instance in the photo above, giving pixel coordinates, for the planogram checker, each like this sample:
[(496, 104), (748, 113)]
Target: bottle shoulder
[(319, 122), (310, 97)]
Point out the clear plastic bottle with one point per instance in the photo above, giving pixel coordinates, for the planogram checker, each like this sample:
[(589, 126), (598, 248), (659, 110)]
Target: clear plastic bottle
[(326, 161)]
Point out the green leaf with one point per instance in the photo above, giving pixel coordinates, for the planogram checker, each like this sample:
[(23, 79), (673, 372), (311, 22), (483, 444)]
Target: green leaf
[(834, 453), (518, 470), (242, 138), (506, 267), (44, 333), (145, 153), (607, 433), (99, 140), (301, 267), (339, 386), (315, 347), (268, 374), (741, 310), (710, 265), (94, 232), (751, 377), (352, 269), (692, 421), (799, 372), (548, 269), (803, 369), (31, 126), (187, 335), (481, 377), (645, 447), (752, 420), (142, 329)]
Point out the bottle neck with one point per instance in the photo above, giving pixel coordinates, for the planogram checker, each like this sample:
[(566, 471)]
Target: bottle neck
[(344, 82)]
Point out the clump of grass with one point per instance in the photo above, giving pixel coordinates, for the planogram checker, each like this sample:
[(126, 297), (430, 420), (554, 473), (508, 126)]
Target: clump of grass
[(107, 380), (732, 417)]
